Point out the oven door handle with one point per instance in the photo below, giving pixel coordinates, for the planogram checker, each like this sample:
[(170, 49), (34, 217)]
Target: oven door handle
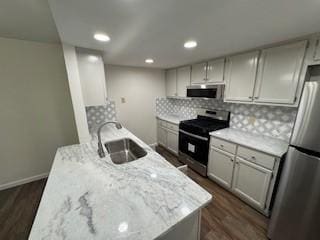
[(193, 135)]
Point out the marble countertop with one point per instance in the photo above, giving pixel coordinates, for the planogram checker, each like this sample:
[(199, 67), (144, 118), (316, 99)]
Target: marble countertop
[(273, 146), (176, 119), (87, 197)]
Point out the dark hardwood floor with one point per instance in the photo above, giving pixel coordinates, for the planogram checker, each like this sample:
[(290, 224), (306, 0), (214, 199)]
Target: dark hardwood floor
[(225, 218), (18, 207)]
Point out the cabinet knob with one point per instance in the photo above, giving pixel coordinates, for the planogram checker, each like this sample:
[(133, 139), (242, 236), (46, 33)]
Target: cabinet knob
[(256, 97), (250, 97), (231, 159), (221, 146)]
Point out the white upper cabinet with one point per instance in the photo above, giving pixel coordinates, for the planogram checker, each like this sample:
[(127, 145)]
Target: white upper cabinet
[(215, 71), (278, 73), (92, 78), (316, 56), (183, 80), (198, 73), (171, 83), (240, 75)]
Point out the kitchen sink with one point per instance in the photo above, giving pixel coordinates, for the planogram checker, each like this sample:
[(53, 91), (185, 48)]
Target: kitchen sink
[(124, 150)]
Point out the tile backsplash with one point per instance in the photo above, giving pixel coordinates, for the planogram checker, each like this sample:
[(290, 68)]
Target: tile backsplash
[(99, 114), (273, 121)]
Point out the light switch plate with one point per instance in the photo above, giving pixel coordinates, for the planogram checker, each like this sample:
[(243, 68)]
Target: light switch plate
[(123, 100)]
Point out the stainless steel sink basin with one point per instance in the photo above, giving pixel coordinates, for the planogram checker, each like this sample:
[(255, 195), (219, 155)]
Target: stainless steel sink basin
[(124, 150)]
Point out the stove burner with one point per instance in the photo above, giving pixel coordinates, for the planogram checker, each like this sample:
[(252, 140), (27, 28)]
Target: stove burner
[(203, 125)]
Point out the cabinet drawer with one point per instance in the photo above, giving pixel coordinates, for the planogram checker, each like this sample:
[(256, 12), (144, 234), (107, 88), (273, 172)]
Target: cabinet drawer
[(223, 145), (253, 156), (162, 123), (172, 126)]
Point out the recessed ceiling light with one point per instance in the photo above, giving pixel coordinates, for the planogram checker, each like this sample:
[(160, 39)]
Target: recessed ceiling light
[(101, 37), (149, 60), (93, 58), (190, 44)]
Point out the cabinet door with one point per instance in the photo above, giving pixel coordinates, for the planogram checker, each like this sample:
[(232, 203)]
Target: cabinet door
[(215, 71), (92, 78), (278, 73), (171, 83), (173, 141), (240, 75), (317, 50), (251, 182), (220, 167), (198, 73), (162, 136), (183, 80)]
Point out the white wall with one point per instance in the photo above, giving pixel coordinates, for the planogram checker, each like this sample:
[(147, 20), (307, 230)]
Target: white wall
[(139, 87), (36, 110)]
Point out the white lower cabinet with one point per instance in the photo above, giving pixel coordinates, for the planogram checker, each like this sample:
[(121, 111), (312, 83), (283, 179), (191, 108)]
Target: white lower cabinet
[(173, 141), (220, 167), (251, 182), (168, 136), (162, 136), (188, 229), (246, 172)]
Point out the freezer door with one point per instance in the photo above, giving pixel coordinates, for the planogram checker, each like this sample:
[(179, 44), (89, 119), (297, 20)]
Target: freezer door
[(306, 133), (296, 213)]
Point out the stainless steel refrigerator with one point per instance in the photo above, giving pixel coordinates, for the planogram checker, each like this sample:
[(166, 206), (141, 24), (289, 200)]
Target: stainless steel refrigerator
[(296, 212)]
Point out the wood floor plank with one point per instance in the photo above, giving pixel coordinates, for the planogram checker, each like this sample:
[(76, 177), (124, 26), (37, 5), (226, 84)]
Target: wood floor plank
[(18, 207)]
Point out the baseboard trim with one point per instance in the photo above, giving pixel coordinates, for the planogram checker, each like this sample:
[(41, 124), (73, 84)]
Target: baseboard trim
[(153, 145), (23, 181)]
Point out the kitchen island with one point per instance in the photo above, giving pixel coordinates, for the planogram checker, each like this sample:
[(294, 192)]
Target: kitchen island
[(88, 197)]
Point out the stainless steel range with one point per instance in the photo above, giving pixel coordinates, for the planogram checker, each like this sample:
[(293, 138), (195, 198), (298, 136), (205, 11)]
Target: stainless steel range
[(194, 137)]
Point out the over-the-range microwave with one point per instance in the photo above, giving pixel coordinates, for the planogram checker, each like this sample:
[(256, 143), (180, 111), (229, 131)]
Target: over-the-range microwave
[(205, 91)]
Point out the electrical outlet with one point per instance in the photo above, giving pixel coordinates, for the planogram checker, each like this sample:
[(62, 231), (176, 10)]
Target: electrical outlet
[(252, 120), (123, 100)]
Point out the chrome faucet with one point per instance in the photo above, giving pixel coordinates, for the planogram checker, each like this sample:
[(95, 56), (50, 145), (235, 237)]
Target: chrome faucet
[(100, 147)]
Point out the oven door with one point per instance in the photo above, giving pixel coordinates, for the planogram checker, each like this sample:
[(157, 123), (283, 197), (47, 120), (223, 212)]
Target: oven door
[(194, 146)]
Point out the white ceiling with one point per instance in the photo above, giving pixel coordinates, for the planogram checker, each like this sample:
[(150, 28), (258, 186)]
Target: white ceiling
[(140, 29), (28, 20)]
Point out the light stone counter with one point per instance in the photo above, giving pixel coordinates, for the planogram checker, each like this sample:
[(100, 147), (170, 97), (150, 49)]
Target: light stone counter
[(87, 197), (261, 143), (176, 119)]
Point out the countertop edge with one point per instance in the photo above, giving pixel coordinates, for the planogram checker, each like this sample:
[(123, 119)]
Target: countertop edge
[(212, 134), (171, 119)]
